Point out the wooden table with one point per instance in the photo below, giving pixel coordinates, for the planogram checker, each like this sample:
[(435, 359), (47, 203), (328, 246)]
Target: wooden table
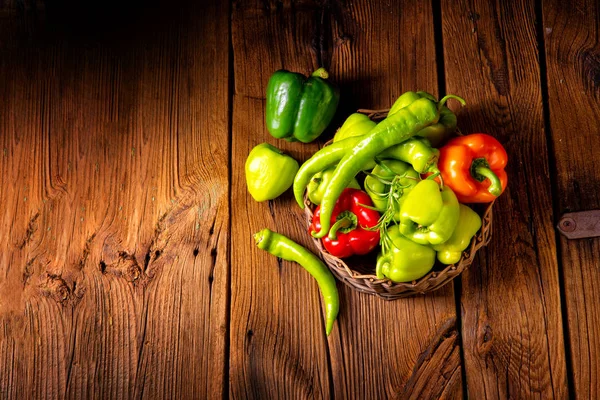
[(127, 266)]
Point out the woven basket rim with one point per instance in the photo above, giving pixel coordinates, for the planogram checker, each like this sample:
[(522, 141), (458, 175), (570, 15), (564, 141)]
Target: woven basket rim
[(385, 288), (481, 239)]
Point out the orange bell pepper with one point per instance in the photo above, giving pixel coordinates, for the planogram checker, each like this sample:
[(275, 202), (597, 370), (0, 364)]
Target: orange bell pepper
[(473, 167)]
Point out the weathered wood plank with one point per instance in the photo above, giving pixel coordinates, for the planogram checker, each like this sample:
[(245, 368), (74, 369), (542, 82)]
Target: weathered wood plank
[(278, 346), (375, 348), (511, 315), (406, 348), (116, 222), (572, 52)]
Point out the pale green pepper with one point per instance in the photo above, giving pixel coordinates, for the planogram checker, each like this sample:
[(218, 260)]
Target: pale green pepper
[(402, 260), (269, 172), (428, 215), (436, 133), (319, 182), (468, 224), (380, 191), (356, 124)]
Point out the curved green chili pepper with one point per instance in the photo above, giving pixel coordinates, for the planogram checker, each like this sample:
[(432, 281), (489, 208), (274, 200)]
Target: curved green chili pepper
[(394, 129), (436, 133), (389, 132), (318, 183), (326, 157), (356, 124), (285, 248), (405, 99), (415, 151)]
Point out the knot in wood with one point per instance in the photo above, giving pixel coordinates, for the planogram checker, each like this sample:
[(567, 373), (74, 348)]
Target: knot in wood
[(54, 286)]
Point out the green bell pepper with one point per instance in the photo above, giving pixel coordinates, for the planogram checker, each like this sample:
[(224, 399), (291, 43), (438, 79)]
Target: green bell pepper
[(402, 260), (379, 190), (319, 182), (269, 172), (428, 215), (356, 124), (300, 108), (468, 224), (436, 133)]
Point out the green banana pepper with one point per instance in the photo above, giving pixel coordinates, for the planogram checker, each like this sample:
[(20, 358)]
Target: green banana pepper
[(416, 152), (378, 188), (402, 260), (436, 133), (356, 124), (300, 108), (428, 215), (393, 130), (319, 183), (468, 224), (285, 248), (405, 100), (269, 172)]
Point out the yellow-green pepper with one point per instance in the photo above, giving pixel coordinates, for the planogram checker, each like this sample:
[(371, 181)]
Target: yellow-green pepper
[(436, 133), (428, 215), (356, 124), (378, 188), (402, 260), (468, 224), (393, 130), (319, 182), (269, 172)]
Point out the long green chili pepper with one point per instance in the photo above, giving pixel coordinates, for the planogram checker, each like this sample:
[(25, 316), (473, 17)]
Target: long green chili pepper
[(436, 133), (285, 248), (415, 151), (327, 157), (394, 129)]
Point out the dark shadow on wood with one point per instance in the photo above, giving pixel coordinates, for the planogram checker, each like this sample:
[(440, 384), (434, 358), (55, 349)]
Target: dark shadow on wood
[(108, 24), (555, 191), (436, 6)]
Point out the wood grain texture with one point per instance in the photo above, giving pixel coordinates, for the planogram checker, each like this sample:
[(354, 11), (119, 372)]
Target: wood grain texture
[(375, 350), (127, 265), (407, 348), (115, 186), (572, 51), (510, 302), (278, 346)]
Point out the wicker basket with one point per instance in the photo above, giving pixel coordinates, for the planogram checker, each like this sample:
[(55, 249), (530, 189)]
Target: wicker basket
[(359, 272)]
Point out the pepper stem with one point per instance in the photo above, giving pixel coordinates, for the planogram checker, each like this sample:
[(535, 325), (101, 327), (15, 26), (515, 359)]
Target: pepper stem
[(480, 171), (263, 238), (346, 221), (448, 97), (436, 174), (321, 73), (495, 187)]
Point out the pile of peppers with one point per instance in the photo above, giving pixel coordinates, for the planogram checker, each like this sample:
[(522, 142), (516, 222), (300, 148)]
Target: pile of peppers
[(417, 176), (401, 186)]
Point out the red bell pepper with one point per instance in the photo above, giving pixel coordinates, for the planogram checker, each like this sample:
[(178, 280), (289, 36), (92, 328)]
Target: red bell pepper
[(347, 236), (473, 167)]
